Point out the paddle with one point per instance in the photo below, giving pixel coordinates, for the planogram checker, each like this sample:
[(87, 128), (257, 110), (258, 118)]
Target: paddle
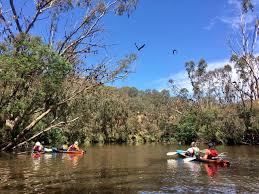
[(180, 151), (189, 159), (174, 153), (220, 156), (26, 152), (171, 153)]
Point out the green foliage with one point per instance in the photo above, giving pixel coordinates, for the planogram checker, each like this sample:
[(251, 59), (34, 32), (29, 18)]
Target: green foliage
[(31, 78), (187, 129)]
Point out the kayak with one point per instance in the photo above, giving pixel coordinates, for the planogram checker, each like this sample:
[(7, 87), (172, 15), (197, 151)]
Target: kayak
[(181, 153), (81, 152), (216, 161), (222, 162)]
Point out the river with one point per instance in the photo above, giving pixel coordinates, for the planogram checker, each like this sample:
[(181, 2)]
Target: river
[(129, 169)]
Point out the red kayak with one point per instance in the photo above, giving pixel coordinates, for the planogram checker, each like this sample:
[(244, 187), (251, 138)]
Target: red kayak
[(217, 161), (221, 162)]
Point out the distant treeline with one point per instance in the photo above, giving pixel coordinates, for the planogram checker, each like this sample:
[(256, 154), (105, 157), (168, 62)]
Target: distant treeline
[(127, 115)]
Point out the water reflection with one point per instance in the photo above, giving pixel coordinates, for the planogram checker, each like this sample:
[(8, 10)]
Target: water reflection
[(211, 169), (128, 169), (36, 162), (73, 159), (195, 168)]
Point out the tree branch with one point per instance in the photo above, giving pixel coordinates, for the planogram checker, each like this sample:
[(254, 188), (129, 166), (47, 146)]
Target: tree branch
[(84, 35), (26, 130), (6, 24), (15, 16), (45, 130)]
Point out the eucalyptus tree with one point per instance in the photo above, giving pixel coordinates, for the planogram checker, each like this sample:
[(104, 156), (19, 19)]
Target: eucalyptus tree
[(246, 64), (41, 73), (196, 75)]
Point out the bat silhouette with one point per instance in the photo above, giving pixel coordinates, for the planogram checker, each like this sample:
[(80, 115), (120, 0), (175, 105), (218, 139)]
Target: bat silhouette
[(139, 48)]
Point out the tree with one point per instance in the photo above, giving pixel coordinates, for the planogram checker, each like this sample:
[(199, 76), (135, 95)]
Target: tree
[(246, 64), (39, 79), (196, 75)]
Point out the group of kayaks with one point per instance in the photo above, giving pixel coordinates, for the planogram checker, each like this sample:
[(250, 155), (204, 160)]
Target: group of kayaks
[(217, 161)]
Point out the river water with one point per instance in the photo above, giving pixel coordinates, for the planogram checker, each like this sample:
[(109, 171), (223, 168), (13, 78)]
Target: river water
[(129, 169)]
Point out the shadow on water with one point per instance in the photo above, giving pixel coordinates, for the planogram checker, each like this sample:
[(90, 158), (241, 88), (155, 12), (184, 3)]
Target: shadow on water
[(128, 169)]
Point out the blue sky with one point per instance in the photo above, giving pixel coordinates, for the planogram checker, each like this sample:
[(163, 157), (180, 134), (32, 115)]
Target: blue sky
[(197, 29)]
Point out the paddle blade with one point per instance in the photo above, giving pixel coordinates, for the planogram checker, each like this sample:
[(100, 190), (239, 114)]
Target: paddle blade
[(171, 153), (189, 159)]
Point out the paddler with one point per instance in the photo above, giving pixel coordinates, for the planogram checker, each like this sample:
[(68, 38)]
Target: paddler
[(64, 147), (74, 147), (193, 150), (37, 147), (211, 152)]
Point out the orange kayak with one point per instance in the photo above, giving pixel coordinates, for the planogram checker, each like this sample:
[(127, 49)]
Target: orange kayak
[(81, 152)]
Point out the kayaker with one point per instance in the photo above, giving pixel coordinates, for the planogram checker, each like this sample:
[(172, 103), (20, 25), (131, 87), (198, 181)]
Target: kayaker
[(210, 152), (37, 147), (193, 150), (74, 147), (64, 147)]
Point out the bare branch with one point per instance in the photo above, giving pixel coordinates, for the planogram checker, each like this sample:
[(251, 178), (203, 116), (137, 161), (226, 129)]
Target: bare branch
[(45, 130), (82, 37), (39, 9), (89, 32), (15, 16), (255, 36), (76, 94), (52, 31), (27, 129), (7, 26)]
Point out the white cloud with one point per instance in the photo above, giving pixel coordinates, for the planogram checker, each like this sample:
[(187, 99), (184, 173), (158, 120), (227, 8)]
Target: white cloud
[(211, 24), (232, 15), (181, 78), (236, 4)]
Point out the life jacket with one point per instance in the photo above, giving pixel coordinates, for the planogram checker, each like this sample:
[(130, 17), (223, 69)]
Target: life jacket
[(213, 153), (195, 152), (72, 148), (37, 149)]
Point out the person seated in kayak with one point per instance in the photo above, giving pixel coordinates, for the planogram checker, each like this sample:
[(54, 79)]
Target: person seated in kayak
[(211, 152), (37, 147), (64, 147), (193, 150), (74, 147)]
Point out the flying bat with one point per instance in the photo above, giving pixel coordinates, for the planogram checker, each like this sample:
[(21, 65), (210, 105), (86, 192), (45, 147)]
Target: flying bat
[(174, 51), (139, 48)]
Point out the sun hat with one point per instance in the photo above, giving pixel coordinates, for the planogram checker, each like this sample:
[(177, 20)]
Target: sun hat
[(37, 143)]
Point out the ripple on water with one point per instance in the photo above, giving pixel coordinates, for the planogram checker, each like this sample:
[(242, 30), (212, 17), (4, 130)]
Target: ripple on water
[(111, 169)]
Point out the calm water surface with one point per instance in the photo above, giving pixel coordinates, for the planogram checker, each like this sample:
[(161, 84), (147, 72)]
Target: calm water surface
[(129, 169)]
